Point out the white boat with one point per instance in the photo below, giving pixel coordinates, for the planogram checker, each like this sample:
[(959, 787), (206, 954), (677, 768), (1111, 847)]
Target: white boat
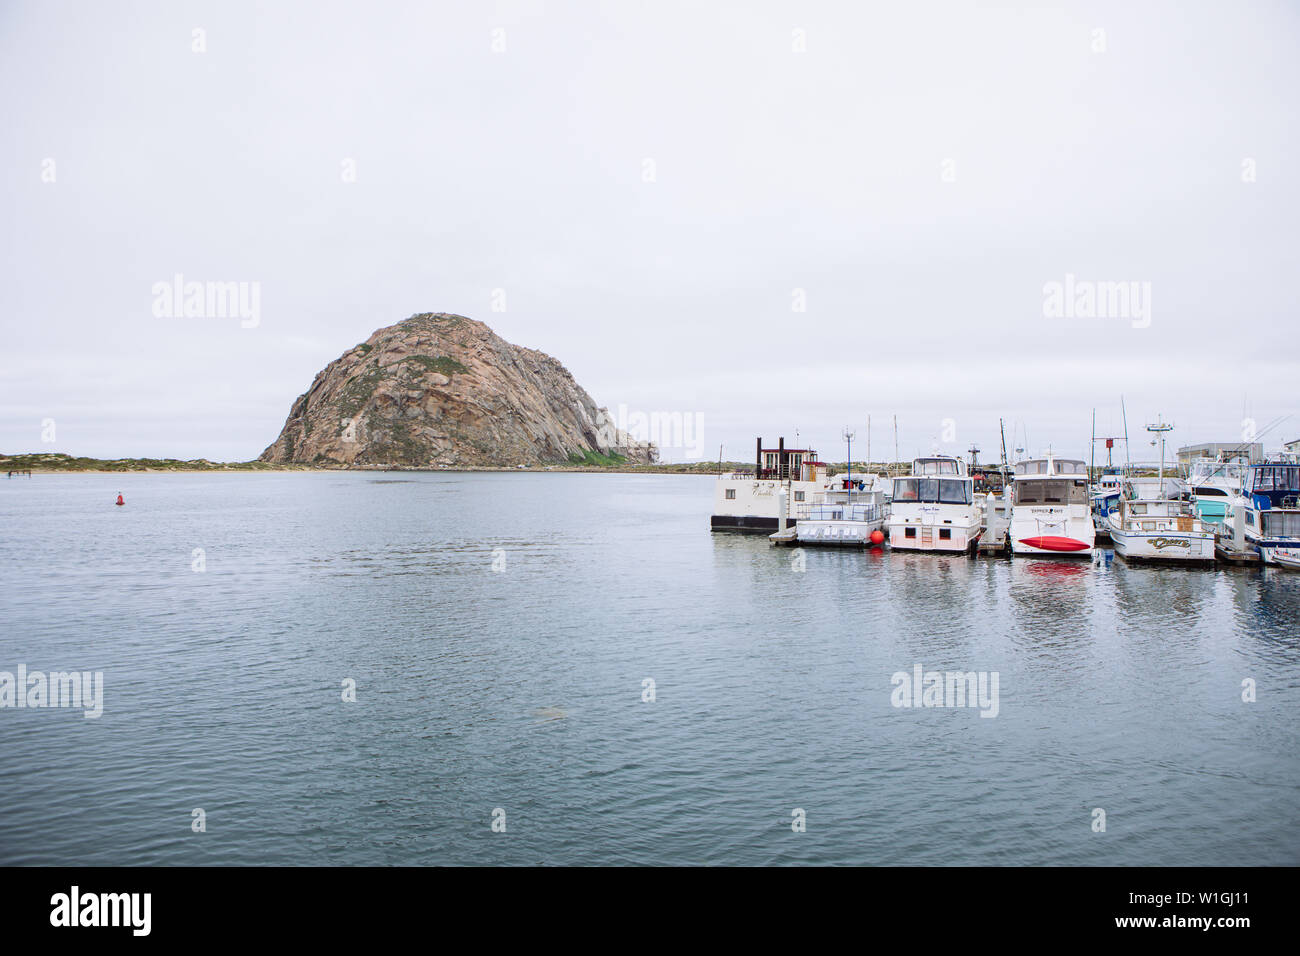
[(1286, 559), (1050, 508), (1154, 521), (1214, 484), (749, 501), (843, 517), (1265, 518), (934, 508)]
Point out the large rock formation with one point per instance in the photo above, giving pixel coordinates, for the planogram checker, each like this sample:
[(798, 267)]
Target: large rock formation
[(439, 389)]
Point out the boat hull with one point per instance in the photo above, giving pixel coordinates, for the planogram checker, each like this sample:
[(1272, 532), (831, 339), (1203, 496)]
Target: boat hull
[(1174, 546), (748, 524), (917, 536)]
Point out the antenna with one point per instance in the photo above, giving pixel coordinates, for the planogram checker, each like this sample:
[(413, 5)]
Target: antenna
[(848, 437), (1160, 428)]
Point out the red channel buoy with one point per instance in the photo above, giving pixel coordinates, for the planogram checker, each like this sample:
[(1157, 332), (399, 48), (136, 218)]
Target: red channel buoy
[(877, 536), (119, 500)]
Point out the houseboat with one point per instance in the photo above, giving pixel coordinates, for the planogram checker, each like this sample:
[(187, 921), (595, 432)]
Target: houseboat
[(1050, 509), (934, 508), (748, 501)]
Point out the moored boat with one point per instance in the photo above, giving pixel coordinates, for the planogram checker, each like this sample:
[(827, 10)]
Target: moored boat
[(934, 508), (1265, 518), (1050, 509), (1154, 521), (749, 501), (1213, 484)]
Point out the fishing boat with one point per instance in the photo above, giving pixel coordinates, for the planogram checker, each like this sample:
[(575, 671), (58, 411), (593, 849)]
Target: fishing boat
[(749, 502), (934, 508), (1050, 509), (1266, 516), (1213, 484), (1154, 521)]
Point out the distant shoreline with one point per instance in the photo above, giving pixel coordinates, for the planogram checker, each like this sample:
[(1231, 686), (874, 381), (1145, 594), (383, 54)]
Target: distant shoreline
[(59, 464)]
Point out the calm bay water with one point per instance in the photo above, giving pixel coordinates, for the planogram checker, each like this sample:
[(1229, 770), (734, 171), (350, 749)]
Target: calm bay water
[(521, 689)]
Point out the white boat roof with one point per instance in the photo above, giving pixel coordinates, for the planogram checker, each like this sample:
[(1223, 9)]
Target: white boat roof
[(1050, 466)]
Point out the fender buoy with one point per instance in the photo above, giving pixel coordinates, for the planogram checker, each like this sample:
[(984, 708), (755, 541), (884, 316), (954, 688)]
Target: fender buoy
[(119, 500), (877, 537)]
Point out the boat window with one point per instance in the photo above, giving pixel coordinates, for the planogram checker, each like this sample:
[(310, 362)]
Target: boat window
[(731, 494), (1068, 466), (1206, 491), (954, 491), (1279, 524), (916, 489)]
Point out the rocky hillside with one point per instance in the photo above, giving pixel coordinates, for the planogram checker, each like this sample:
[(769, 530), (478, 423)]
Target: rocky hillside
[(439, 389)]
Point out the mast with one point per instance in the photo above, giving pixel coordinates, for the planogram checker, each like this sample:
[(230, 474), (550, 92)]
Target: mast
[(1128, 459), (1160, 428), (896, 462), (1092, 448)]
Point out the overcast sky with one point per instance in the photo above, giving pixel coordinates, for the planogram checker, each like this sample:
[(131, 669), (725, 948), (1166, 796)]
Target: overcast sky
[(650, 183)]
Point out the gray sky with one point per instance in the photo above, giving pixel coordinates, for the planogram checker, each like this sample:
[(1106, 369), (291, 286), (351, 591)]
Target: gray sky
[(920, 171)]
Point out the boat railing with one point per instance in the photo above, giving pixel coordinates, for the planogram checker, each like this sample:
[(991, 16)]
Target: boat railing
[(834, 511)]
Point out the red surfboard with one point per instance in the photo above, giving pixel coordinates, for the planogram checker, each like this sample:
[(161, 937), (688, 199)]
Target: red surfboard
[(1052, 542)]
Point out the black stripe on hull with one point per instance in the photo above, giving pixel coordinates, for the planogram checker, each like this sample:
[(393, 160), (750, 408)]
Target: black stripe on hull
[(749, 524)]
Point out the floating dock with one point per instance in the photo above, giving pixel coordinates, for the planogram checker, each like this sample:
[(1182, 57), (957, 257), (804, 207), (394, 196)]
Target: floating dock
[(1225, 553)]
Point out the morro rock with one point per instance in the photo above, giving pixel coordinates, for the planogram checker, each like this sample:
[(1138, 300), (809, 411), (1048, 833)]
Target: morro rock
[(444, 390)]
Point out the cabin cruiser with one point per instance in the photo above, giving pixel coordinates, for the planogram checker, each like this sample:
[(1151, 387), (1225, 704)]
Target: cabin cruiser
[(1267, 513), (750, 502), (1154, 521), (1214, 483), (934, 508), (1050, 508)]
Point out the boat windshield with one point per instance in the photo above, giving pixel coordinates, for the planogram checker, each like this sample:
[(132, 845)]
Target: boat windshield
[(935, 466), (1224, 472), (1054, 492), (944, 491), (1069, 466), (1275, 478)]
